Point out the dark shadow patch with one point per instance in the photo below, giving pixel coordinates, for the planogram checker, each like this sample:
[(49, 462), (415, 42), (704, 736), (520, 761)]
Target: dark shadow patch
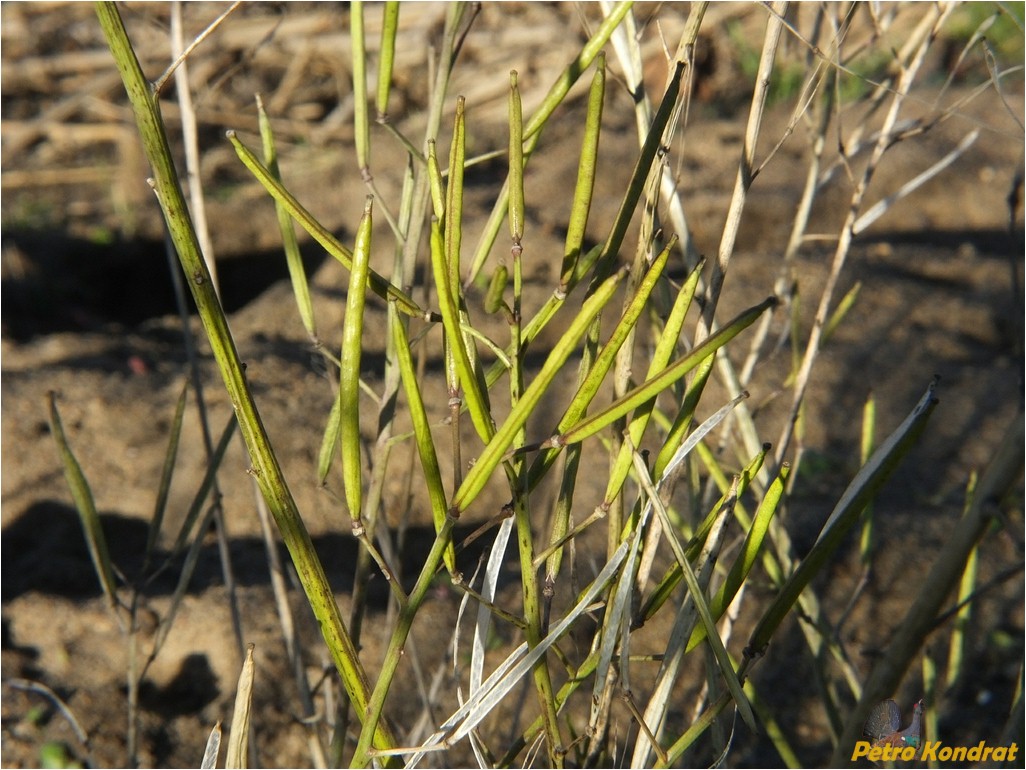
[(44, 550), (19, 660), (990, 243), (192, 689), (54, 282)]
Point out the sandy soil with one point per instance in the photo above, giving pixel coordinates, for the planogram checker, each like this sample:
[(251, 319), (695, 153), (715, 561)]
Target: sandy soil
[(88, 312)]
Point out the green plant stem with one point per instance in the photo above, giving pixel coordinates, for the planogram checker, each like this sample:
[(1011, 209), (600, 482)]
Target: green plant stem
[(373, 711), (265, 465), (533, 615), (517, 469)]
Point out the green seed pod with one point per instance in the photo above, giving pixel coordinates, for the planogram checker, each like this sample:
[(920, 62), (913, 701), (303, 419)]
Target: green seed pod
[(435, 178), (493, 299), (349, 374), (516, 162)]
